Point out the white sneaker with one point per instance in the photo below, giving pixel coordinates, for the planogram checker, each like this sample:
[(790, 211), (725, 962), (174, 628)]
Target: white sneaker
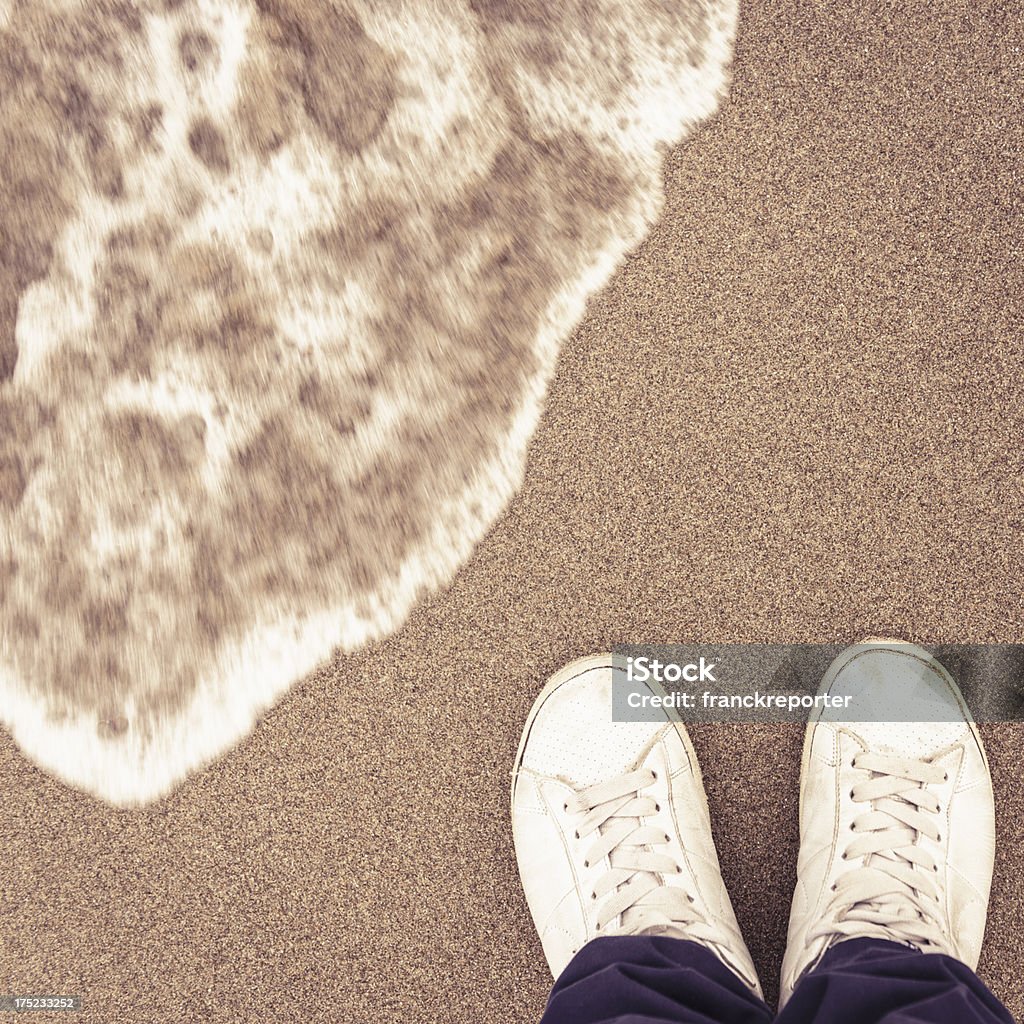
[(611, 827), (897, 825)]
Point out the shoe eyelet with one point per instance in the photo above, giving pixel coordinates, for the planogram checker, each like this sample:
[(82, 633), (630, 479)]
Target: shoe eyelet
[(668, 838), (690, 898), (679, 870), (852, 827), (565, 806), (938, 838), (576, 834), (586, 863), (593, 895), (945, 776), (657, 808), (654, 774), (844, 856)]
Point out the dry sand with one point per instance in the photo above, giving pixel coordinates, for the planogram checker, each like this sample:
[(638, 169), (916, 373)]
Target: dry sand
[(795, 415)]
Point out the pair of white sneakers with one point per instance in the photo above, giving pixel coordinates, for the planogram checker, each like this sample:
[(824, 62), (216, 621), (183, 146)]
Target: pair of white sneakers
[(897, 831)]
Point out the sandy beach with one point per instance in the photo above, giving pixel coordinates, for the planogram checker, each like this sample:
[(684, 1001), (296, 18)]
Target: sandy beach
[(795, 415)]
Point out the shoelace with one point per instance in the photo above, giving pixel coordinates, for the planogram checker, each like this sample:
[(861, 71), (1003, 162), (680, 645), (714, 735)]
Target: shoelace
[(894, 893), (614, 812)]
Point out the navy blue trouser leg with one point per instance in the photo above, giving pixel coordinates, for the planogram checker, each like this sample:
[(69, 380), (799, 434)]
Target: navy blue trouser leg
[(656, 980), (645, 979), (868, 981)]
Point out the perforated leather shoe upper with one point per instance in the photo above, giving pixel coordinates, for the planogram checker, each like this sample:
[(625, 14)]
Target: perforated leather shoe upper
[(897, 824), (611, 827)]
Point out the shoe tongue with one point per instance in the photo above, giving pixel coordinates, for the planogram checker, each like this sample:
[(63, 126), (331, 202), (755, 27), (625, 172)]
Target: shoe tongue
[(668, 931), (671, 930), (869, 933)]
